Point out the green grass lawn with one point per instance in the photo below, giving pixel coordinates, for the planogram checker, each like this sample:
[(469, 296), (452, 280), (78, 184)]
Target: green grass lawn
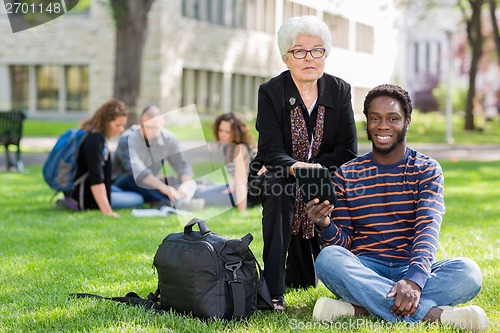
[(431, 128), (47, 254), (425, 127), (41, 128)]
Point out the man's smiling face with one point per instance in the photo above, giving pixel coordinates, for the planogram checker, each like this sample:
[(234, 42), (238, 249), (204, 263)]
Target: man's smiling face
[(386, 125)]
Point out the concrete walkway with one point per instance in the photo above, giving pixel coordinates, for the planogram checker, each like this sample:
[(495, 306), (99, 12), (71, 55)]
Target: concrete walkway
[(480, 152)]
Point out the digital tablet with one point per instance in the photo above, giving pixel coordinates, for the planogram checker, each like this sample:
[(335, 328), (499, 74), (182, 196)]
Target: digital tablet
[(316, 183)]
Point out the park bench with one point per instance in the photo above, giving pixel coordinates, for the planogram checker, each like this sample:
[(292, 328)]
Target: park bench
[(11, 130)]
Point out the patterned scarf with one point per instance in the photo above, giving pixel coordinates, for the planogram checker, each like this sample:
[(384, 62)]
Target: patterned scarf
[(300, 152)]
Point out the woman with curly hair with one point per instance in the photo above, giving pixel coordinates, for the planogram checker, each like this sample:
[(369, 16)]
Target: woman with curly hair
[(94, 162), (238, 147)]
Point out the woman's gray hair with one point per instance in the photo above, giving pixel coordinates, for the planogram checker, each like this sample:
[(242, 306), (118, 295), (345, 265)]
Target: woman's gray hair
[(303, 25)]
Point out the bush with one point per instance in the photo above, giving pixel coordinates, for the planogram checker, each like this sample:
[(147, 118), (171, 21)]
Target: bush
[(458, 97), (423, 99)]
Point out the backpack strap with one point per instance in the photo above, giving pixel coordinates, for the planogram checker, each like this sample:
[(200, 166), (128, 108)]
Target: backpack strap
[(237, 290), (80, 205), (151, 302), (81, 196), (238, 295), (264, 299), (131, 298)]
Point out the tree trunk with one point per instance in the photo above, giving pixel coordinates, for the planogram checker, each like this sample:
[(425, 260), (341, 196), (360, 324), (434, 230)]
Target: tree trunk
[(494, 25), (476, 42), (131, 17)]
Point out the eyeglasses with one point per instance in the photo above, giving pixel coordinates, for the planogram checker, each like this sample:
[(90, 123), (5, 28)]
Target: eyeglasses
[(301, 53)]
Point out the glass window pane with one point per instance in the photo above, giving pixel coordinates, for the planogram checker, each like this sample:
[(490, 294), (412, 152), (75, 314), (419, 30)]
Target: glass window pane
[(77, 88), (19, 78), (364, 38), (339, 27), (47, 84)]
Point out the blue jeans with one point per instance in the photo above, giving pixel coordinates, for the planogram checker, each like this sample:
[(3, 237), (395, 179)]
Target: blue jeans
[(128, 183), (366, 281), (125, 199), (216, 195)]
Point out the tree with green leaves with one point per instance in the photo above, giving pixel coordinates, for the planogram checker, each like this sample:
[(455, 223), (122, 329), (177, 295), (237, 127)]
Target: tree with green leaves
[(471, 13)]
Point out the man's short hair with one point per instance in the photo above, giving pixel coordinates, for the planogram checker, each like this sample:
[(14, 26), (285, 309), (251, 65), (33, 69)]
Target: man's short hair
[(150, 111), (390, 90)]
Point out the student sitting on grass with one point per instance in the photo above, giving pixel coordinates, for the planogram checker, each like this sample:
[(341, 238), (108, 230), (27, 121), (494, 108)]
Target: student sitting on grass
[(382, 237), (96, 191), (238, 147), (143, 152)]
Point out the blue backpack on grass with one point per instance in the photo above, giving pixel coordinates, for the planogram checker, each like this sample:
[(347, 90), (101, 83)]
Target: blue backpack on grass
[(60, 167)]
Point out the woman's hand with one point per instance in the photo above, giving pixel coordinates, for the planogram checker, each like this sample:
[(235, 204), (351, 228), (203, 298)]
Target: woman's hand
[(101, 198), (319, 212), (112, 214), (262, 170), (303, 165)]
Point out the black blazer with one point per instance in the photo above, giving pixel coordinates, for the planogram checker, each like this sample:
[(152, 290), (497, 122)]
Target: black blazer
[(279, 96)]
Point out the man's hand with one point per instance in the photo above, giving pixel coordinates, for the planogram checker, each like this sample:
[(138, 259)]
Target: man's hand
[(406, 295), (170, 192), (187, 187), (319, 212)]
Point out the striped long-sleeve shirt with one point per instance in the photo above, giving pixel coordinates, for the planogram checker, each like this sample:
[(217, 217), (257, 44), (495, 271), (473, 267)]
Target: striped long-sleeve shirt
[(390, 212)]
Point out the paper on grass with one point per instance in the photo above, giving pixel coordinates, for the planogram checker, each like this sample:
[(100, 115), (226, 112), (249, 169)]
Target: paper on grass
[(163, 211)]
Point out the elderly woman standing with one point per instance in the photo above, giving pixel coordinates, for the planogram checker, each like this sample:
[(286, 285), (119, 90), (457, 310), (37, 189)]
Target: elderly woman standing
[(305, 119)]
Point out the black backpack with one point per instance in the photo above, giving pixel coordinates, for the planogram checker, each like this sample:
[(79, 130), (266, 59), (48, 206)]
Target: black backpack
[(206, 275)]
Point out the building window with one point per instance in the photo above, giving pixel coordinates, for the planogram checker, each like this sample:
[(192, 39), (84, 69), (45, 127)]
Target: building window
[(259, 15), (294, 9), (416, 55), (229, 13), (216, 92), (256, 15), (339, 27), (427, 57), (364, 38), (191, 8), (19, 78), (238, 14), (77, 88), (219, 12), (47, 86), (439, 58)]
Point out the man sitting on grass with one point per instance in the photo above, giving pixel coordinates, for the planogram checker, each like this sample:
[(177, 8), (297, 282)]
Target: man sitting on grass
[(142, 154), (383, 234)]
